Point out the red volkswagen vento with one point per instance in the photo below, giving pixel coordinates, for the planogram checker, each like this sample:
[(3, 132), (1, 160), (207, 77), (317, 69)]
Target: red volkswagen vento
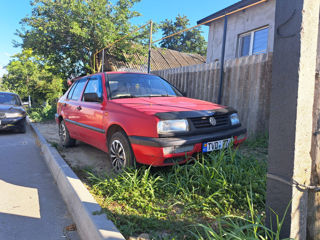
[(142, 118)]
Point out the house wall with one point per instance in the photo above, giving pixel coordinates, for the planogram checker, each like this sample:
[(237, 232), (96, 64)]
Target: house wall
[(241, 22)]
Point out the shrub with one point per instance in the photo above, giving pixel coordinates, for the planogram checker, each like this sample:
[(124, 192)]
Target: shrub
[(39, 114)]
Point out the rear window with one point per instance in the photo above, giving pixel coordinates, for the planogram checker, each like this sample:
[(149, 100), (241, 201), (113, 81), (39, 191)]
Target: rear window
[(128, 85)]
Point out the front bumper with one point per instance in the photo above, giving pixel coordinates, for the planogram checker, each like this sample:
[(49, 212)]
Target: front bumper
[(152, 151), (9, 123)]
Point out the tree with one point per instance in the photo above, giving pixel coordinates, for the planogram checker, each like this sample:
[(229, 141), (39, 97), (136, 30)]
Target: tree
[(69, 32), (2, 87), (190, 41), (30, 75)]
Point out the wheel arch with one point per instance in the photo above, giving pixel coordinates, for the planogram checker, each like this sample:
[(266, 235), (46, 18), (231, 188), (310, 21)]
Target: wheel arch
[(60, 118), (114, 128)]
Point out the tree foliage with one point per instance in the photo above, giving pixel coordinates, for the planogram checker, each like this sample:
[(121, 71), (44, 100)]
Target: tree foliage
[(67, 33), (2, 87), (29, 75), (190, 41)]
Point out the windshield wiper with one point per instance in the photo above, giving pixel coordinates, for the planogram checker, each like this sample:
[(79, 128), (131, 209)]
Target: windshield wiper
[(124, 96), (157, 95)]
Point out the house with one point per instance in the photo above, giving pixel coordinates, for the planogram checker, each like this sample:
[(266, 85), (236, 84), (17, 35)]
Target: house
[(161, 58), (250, 29)]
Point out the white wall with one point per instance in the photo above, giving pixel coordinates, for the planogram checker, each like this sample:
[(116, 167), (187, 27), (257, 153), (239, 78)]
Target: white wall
[(255, 17)]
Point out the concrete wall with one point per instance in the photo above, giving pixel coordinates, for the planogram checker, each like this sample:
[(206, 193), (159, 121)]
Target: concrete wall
[(247, 84), (238, 23)]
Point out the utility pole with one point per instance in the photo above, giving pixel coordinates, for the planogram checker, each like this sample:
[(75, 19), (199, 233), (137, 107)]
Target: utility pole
[(291, 115), (102, 68), (150, 45)]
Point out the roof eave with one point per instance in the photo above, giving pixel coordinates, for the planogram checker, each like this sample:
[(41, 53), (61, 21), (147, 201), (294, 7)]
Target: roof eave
[(231, 8)]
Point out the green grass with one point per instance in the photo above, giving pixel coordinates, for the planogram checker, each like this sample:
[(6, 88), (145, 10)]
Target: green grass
[(221, 194), (259, 142)]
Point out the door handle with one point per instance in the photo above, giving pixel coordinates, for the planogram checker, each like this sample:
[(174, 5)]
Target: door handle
[(79, 108), (64, 104)]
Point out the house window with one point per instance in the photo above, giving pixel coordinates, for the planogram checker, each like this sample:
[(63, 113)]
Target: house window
[(254, 42)]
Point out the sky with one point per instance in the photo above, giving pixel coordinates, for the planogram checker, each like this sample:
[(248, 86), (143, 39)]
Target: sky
[(12, 11)]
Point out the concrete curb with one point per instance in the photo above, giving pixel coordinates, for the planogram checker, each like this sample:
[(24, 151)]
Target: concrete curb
[(80, 202)]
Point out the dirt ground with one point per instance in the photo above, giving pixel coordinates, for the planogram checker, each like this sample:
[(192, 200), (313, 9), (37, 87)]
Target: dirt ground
[(80, 156)]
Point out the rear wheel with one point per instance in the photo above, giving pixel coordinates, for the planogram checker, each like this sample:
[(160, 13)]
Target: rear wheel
[(64, 136), (120, 152)]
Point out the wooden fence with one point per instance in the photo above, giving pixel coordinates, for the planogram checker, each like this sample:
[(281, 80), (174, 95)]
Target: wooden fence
[(246, 87)]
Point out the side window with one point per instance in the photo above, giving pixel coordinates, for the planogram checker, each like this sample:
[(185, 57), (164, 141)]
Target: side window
[(78, 89), (72, 90), (94, 86), (253, 42)]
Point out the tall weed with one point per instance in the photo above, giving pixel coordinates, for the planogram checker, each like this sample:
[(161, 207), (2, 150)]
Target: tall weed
[(165, 199)]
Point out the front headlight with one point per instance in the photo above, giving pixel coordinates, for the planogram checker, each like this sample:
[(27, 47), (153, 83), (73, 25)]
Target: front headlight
[(172, 126), (234, 119), (14, 115)]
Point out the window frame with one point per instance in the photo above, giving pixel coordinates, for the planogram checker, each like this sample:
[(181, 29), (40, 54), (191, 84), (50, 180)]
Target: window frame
[(251, 33)]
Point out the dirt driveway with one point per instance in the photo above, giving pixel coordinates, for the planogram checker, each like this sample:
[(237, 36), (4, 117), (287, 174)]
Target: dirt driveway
[(80, 156)]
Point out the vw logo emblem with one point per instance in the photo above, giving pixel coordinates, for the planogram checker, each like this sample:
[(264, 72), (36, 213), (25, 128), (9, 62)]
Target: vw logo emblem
[(212, 121)]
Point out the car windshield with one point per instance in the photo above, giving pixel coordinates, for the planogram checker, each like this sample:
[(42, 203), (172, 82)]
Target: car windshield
[(127, 85), (9, 99)]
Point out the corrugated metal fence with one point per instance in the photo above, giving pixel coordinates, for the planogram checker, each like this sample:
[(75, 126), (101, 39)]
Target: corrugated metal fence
[(247, 85)]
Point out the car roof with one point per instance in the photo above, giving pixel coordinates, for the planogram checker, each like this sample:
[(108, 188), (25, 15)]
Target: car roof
[(9, 93), (100, 73)]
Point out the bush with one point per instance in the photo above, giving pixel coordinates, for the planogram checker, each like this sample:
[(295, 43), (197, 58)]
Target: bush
[(39, 114)]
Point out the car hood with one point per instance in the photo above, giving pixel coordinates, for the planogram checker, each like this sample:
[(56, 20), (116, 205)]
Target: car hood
[(11, 108), (162, 106)]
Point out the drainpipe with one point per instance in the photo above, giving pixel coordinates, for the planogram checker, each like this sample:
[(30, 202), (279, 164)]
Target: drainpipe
[(222, 58)]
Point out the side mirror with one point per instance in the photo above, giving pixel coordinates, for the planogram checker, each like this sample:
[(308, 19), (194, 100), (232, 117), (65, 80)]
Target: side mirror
[(91, 97), (184, 94)]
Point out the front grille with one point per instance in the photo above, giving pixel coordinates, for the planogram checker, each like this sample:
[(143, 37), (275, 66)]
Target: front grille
[(2, 115), (203, 122)]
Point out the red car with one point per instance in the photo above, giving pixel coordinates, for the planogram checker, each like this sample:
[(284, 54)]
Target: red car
[(142, 118)]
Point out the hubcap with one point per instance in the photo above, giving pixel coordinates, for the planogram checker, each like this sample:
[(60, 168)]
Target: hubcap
[(62, 132), (117, 155)]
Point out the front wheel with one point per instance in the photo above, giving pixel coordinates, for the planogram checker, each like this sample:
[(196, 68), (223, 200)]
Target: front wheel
[(21, 128), (64, 136), (120, 152)]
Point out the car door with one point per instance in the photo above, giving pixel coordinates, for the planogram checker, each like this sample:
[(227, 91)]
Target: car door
[(71, 108), (92, 113)]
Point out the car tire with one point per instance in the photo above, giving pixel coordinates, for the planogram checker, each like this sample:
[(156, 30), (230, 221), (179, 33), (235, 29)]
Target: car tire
[(120, 152), (21, 128), (64, 136)]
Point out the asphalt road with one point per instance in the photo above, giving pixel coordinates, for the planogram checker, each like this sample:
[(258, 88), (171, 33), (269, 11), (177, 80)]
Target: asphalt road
[(30, 203)]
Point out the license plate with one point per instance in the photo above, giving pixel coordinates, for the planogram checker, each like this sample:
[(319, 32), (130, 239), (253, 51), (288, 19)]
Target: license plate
[(215, 145)]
